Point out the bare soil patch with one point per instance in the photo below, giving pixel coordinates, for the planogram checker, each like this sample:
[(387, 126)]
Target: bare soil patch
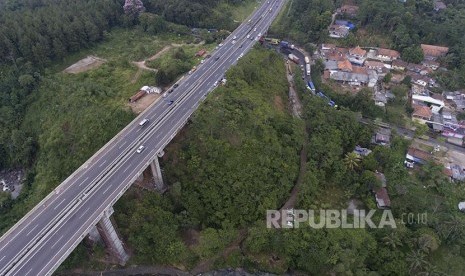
[(85, 64), (278, 102), (143, 103)]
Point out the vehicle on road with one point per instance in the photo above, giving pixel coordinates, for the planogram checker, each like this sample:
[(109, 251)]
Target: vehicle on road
[(170, 102), (215, 84), (193, 70), (175, 85), (234, 37), (221, 44), (248, 36), (217, 58), (171, 90), (140, 149), (286, 45), (202, 61), (165, 94), (307, 69), (307, 60), (294, 58), (241, 46), (143, 122), (255, 29)]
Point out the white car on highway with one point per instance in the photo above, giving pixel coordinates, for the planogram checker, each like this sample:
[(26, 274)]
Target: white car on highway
[(140, 149)]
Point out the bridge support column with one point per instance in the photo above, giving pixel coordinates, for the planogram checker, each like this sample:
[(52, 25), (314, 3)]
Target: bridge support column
[(157, 176), (110, 237)]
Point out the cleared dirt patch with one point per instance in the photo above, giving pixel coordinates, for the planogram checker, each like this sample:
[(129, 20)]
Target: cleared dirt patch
[(143, 103), (278, 102), (85, 64)]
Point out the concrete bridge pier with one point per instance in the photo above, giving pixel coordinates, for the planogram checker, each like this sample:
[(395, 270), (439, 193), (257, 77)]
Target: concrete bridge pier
[(110, 237), (157, 176)]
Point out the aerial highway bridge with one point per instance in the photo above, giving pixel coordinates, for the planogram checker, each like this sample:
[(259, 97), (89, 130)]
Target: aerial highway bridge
[(83, 203)]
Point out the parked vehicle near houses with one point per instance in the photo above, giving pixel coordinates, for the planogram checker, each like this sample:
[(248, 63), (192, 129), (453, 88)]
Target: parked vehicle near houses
[(294, 58)]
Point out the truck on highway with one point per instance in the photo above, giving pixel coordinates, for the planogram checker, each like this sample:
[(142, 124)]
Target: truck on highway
[(307, 60), (294, 58), (287, 45), (307, 69)]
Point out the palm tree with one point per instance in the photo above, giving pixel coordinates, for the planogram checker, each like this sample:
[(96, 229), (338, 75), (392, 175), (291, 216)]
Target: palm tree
[(352, 160), (392, 240), (431, 270), (417, 260)]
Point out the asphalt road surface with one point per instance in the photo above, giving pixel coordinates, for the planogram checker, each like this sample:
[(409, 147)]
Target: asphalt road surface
[(41, 240)]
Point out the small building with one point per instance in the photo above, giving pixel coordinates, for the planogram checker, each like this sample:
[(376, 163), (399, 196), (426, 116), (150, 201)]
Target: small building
[(338, 31), (387, 55), (418, 156), (357, 55), (382, 137), (352, 78), (433, 65), (380, 99), (375, 65), (348, 10), (360, 151), (439, 5), (382, 198), (421, 114), (433, 104), (399, 65), (432, 52)]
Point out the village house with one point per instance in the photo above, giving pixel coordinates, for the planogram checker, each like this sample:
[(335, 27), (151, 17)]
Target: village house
[(386, 55), (439, 5), (357, 55), (348, 10), (397, 78), (399, 65), (417, 156), (382, 137), (360, 151), (375, 65), (421, 113), (432, 52), (338, 31), (433, 65), (380, 99), (358, 76)]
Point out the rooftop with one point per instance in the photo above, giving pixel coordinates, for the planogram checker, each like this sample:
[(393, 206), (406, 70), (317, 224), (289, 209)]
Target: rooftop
[(422, 111), (420, 154), (388, 53), (357, 51), (433, 50)]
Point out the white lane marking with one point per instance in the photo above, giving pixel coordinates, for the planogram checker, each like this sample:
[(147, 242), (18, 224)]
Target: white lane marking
[(104, 161), (59, 204), (28, 272), (122, 144), (125, 170), (56, 242), (2, 258), (138, 129), (106, 190), (84, 212), (83, 181), (32, 230)]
